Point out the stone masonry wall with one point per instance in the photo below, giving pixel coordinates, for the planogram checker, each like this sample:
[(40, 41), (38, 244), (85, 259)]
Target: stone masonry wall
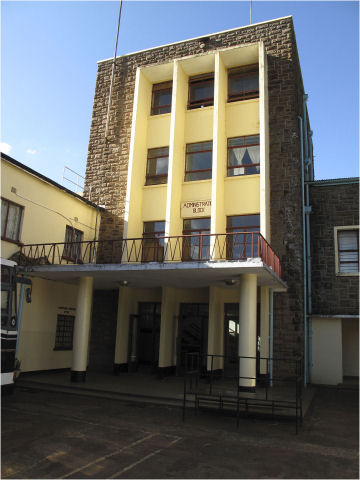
[(332, 205), (106, 172)]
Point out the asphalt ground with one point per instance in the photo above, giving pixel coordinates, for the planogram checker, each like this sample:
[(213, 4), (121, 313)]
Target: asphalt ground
[(59, 435)]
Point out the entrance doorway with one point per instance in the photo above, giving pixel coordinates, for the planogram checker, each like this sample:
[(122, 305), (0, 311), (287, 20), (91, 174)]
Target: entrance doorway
[(192, 333), (231, 338), (144, 338)]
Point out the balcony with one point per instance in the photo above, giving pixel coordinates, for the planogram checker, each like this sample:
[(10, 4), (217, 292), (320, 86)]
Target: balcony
[(229, 247)]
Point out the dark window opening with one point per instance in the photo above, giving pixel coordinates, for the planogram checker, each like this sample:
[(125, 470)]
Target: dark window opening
[(243, 156), (243, 83), (64, 332), (11, 215), (72, 247), (201, 91), (242, 239), (198, 164), (153, 241), (196, 246), (157, 166), (161, 98)]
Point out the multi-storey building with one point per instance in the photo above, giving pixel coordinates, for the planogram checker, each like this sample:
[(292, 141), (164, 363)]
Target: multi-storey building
[(202, 158)]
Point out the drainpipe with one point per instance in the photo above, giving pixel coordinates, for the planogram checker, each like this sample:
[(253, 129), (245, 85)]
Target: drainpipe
[(309, 161), (271, 346), (304, 247)]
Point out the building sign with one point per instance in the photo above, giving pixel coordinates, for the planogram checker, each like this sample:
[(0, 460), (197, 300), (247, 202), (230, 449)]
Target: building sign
[(197, 208)]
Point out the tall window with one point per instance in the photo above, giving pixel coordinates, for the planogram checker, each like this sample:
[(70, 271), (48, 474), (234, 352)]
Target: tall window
[(161, 98), (243, 83), (201, 91), (11, 215), (196, 246), (198, 165), (153, 241), (243, 155), (64, 332), (157, 166), (348, 250), (72, 247), (242, 238)]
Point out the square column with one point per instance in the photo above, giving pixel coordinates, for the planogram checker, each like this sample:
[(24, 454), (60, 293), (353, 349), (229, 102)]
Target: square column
[(82, 330), (169, 308), (216, 328), (122, 330), (264, 330), (247, 332)]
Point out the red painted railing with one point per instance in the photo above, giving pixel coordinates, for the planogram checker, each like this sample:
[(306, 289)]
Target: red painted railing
[(199, 248)]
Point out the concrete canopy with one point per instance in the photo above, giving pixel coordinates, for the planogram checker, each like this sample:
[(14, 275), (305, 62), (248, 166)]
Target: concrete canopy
[(151, 275)]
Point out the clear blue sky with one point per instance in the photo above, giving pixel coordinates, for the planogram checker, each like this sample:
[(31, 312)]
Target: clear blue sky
[(50, 49)]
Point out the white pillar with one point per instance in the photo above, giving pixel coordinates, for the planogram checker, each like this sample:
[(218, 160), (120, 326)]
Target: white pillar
[(264, 329), (167, 329), (247, 331), (82, 330), (122, 329)]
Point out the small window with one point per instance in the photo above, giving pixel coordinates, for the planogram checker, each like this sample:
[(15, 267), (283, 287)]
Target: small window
[(243, 83), (11, 215), (201, 91), (153, 241), (161, 98), (242, 236), (198, 165), (72, 247), (157, 166), (64, 332), (196, 242), (243, 156), (348, 251)]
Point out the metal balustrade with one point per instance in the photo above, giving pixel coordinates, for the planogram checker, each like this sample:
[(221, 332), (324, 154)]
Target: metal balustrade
[(189, 248)]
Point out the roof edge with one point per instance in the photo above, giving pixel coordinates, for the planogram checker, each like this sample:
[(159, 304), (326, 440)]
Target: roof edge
[(42, 177), (334, 181), (194, 38)]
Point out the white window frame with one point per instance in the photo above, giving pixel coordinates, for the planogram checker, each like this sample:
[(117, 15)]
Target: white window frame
[(336, 245)]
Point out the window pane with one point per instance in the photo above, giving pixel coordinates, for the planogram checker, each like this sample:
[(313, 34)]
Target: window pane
[(197, 224), (161, 98), (247, 158), (13, 223), (198, 158), (158, 152), (348, 251), (241, 85), (157, 166), (244, 221), (202, 91), (4, 209), (154, 227)]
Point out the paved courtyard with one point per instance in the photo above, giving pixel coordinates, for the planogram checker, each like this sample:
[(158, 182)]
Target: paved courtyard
[(60, 435)]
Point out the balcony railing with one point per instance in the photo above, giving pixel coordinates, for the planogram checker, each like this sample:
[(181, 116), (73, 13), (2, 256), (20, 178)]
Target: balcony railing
[(196, 248)]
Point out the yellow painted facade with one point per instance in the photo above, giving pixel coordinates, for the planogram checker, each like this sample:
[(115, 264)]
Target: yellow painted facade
[(239, 195), (47, 210)]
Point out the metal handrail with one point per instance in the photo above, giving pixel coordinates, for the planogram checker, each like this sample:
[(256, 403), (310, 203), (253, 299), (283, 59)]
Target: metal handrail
[(200, 247)]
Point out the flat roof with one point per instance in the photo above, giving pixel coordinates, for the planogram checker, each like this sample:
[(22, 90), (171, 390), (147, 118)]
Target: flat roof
[(195, 38), (20, 165)]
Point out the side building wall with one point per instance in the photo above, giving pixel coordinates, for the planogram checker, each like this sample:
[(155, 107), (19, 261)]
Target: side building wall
[(335, 297)]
